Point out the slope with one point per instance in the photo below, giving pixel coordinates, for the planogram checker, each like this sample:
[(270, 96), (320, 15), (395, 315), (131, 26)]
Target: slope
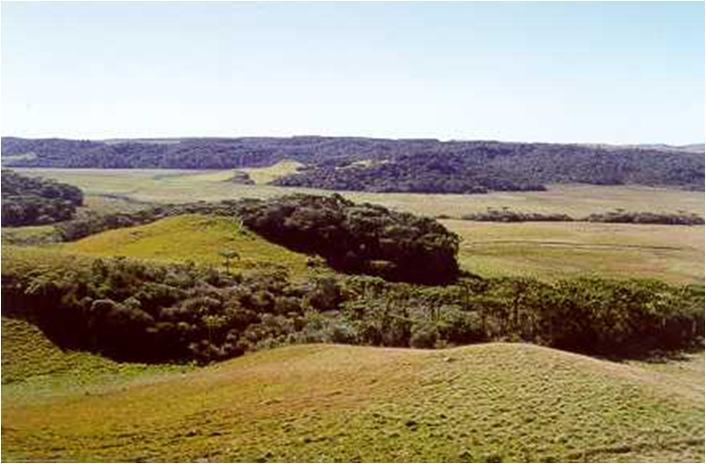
[(193, 237), (342, 403)]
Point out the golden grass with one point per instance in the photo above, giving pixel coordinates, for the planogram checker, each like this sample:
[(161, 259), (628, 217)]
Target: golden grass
[(190, 237), (169, 185), (343, 403), (673, 253), (551, 250)]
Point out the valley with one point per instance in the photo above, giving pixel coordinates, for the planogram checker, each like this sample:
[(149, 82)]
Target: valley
[(299, 389)]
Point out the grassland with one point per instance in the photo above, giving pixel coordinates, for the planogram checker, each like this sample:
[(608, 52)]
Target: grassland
[(191, 237), (34, 368), (342, 403), (554, 250), (163, 185), (674, 253)]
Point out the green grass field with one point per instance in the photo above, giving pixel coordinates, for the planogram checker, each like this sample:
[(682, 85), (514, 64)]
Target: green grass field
[(551, 250), (490, 402), (34, 368), (190, 237)]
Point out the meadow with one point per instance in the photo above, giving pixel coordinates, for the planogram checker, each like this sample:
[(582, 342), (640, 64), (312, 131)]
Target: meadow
[(543, 250), (179, 186), (490, 403), (551, 250)]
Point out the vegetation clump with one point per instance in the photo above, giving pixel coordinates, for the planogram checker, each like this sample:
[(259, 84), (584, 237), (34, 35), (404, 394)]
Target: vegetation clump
[(621, 216), (34, 201), (618, 216), (149, 312), (505, 215)]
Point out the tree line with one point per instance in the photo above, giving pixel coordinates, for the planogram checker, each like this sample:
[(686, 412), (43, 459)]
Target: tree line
[(34, 201), (406, 165), (617, 216), (148, 312)]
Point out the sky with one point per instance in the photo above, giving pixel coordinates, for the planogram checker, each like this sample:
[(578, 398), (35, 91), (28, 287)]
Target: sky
[(551, 71)]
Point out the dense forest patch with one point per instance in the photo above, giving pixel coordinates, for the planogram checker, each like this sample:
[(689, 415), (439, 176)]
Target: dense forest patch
[(383, 165), (152, 312), (35, 201)]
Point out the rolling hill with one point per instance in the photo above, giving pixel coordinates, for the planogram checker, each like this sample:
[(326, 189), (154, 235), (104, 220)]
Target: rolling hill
[(193, 237), (487, 403)]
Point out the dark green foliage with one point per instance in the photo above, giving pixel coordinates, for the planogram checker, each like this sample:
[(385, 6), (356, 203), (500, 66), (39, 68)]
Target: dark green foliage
[(505, 215), (618, 216), (358, 238), (147, 312), (646, 218), (36, 201), (135, 311), (353, 238), (411, 165)]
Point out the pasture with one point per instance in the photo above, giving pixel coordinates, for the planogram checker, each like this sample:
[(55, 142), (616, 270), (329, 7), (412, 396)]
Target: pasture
[(486, 403), (552, 250), (544, 250), (193, 237), (179, 186)]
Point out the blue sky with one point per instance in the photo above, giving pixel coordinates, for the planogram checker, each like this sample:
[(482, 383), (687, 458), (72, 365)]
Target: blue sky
[(562, 72)]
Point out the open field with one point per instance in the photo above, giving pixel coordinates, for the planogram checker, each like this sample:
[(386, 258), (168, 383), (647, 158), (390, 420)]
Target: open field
[(167, 185), (545, 250), (342, 403), (191, 237), (563, 249)]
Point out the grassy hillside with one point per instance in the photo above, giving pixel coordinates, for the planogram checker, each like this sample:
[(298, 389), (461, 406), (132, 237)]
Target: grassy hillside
[(33, 367), (193, 237), (563, 249), (341, 403)]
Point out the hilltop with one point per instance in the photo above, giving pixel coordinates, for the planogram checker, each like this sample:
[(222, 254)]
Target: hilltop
[(191, 237), (487, 402)]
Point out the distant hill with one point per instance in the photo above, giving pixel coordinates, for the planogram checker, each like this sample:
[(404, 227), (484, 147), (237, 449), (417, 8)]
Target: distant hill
[(384, 165)]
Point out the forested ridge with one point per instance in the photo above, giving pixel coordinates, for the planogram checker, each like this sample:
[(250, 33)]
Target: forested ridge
[(30, 200), (407, 165)]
